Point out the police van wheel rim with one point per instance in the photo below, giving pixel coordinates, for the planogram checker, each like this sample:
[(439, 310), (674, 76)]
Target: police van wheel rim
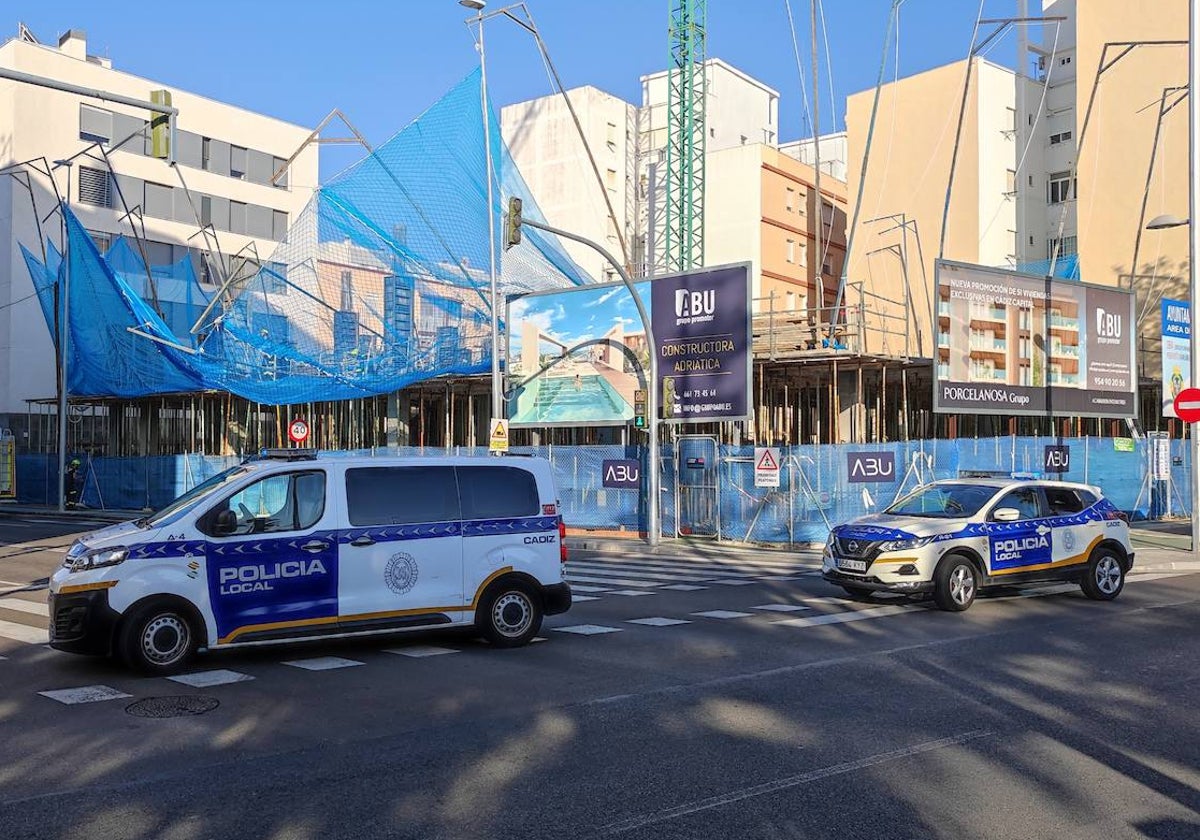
[(1108, 575), (512, 613), (165, 639), (962, 585)]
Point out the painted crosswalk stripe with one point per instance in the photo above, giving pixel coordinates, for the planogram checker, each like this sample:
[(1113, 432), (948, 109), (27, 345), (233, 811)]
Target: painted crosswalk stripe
[(781, 607), (630, 593), (421, 651), (843, 617), (21, 605), (208, 679), (577, 588), (735, 582), (658, 621), (612, 581), (588, 629), (602, 570), (323, 663), (23, 633), (697, 567), (84, 694), (575, 599), (1152, 576), (685, 587), (723, 614)]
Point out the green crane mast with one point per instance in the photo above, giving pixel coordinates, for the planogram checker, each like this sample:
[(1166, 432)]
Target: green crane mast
[(686, 89)]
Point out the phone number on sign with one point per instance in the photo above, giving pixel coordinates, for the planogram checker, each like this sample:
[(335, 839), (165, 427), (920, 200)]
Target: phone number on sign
[(1110, 382)]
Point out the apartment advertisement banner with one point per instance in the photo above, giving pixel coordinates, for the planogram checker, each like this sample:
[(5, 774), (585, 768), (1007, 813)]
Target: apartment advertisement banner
[(578, 357), (1176, 352), (1020, 344)]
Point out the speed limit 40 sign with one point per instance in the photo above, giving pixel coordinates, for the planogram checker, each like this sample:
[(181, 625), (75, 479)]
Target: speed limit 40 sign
[(298, 430)]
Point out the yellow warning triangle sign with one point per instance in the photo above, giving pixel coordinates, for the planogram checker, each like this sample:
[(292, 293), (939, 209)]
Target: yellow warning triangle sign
[(498, 431), (766, 462)]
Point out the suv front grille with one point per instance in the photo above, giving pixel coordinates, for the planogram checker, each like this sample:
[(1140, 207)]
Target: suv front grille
[(856, 549)]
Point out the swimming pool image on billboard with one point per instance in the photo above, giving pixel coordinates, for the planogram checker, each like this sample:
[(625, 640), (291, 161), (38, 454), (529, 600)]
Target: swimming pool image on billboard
[(592, 384)]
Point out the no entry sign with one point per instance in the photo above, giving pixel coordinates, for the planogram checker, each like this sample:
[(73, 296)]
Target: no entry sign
[(1187, 405), (298, 430)]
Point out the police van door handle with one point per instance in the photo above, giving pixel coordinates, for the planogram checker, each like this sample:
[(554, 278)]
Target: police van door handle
[(314, 547), (362, 541)]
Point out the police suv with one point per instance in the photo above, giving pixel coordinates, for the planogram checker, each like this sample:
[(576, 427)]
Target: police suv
[(293, 547), (951, 538)]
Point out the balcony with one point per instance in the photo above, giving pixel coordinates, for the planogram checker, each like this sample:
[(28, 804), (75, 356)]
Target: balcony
[(1064, 323)]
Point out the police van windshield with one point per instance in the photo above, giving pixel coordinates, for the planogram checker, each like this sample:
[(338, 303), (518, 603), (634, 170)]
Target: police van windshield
[(201, 490), (944, 501)]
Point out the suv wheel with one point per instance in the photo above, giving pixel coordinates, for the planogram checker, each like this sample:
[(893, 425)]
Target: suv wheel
[(955, 583), (510, 615), (1105, 575), (158, 638)]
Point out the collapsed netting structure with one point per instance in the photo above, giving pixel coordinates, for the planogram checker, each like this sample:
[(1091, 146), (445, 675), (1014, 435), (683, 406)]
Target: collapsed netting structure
[(382, 281)]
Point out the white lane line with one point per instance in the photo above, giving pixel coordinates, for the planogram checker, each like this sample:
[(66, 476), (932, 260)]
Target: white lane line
[(723, 614), (84, 694), (842, 618), (421, 651), (207, 679), (735, 582), (21, 605), (611, 581), (658, 621), (797, 780), (23, 633), (685, 587), (781, 607), (576, 588), (648, 574), (698, 562), (632, 593), (694, 568), (323, 663), (575, 599), (588, 629)]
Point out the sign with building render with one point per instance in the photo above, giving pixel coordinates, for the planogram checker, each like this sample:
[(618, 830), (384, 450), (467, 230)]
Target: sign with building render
[(579, 357), (1176, 352), (1019, 344)]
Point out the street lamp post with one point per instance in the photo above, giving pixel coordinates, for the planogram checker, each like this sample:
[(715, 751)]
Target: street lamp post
[(64, 341)]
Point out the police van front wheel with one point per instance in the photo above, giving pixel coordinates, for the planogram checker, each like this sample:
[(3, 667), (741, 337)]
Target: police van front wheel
[(158, 638), (955, 583), (1105, 576), (510, 615)]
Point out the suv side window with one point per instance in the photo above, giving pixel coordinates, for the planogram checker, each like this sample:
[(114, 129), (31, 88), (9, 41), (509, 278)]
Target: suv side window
[(1026, 500), (401, 495), (275, 504), (1062, 501), (498, 493)]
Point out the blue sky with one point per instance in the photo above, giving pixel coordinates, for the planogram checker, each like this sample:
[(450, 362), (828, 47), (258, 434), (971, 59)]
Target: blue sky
[(577, 315), (384, 62)]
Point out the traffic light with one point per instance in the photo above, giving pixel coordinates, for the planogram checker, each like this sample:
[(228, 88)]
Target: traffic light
[(512, 223), (639, 409)]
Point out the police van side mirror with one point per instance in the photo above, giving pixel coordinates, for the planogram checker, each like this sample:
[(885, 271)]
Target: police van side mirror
[(224, 523), (1006, 515)]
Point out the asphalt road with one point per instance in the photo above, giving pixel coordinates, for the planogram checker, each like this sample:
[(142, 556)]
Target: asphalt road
[(1035, 714)]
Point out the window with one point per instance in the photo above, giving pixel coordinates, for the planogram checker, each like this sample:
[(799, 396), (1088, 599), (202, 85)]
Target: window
[(274, 278), (1012, 119), (802, 255), (279, 225), (347, 291), (95, 124), (611, 180), (791, 251), (790, 199), (1010, 182), (1069, 245), (401, 495), (237, 162), (611, 137), (1024, 501), (237, 217), (278, 163), (206, 209), (272, 505), (205, 152), (1062, 501), (1061, 137), (159, 202), (1063, 62), (1058, 188), (95, 187), (497, 493), (101, 240)]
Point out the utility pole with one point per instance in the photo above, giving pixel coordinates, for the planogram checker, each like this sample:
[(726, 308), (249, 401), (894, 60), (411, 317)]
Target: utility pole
[(819, 226)]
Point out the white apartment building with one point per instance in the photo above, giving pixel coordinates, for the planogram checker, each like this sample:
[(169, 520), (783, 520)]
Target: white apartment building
[(225, 155), (833, 150)]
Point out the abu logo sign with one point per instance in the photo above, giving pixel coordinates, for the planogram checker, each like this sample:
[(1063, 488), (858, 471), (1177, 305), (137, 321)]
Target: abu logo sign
[(689, 304), (871, 467), (1057, 459), (1108, 326), (622, 474)]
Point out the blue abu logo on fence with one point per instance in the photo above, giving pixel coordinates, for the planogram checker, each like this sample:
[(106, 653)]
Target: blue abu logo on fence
[(871, 467), (621, 474)]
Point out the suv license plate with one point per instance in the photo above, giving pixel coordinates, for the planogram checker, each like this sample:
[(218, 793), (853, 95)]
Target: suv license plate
[(852, 565)]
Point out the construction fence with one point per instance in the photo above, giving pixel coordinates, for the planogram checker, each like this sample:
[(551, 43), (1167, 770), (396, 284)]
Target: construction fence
[(708, 490)]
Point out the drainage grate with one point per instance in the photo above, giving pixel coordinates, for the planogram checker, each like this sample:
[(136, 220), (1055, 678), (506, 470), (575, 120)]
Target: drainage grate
[(168, 707)]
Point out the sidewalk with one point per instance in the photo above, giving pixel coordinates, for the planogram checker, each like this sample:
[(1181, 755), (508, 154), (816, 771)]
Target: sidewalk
[(18, 511)]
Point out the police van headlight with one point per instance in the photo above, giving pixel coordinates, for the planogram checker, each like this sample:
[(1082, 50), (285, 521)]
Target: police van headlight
[(98, 558), (906, 544)]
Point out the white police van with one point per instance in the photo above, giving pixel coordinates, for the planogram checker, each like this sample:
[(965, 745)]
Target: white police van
[(951, 538), (291, 546)]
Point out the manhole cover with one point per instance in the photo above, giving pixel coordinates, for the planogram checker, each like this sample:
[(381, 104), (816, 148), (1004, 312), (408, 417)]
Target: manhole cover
[(167, 707)]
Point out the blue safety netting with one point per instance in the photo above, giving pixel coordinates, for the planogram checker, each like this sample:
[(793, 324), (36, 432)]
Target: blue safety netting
[(383, 280), (1066, 267)]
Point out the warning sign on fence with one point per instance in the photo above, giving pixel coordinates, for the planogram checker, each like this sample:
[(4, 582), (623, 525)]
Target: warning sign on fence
[(766, 466), (8, 467)]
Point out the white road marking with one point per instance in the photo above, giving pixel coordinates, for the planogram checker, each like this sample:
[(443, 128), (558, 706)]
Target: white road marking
[(685, 587), (323, 663), (207, 679), (735, 582), (1152, 576), (421, 651), (577, 588), (573, 579), (648, 574), (723, 614), (658, 621), (588, 629), (781, 607), (85, 694), (632, 593), (575, 599), (21, 605), (842, 618), (23, 633)]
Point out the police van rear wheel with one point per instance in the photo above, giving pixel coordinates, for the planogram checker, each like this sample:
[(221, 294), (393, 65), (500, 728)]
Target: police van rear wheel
[(510, 615), (1105, 576), (956, 582), (157, 639)]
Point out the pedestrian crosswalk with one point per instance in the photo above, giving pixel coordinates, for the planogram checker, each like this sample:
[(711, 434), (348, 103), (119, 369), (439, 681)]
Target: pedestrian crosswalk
[(598, 576)]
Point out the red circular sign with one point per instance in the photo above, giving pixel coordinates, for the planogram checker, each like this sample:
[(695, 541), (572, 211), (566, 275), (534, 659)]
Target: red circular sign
[(298, 431), (1187, 405)]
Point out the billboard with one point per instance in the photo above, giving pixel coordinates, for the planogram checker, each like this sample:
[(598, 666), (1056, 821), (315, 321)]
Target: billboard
[(1176, 352), (1019, 344), (579, 356)]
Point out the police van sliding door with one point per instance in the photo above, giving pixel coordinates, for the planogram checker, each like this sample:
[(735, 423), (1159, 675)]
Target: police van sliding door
[(271, 554), (1020, 546), (400, 560)]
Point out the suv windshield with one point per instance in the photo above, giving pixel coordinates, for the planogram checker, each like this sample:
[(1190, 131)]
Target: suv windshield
[(944, 501), (201, 490)]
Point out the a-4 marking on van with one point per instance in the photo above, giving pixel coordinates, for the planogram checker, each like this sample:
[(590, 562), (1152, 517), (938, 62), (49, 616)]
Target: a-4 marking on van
[(524, 525)]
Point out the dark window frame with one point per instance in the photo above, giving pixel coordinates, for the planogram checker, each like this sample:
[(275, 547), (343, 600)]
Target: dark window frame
[(206, 522), (356, 519), (469, 513)]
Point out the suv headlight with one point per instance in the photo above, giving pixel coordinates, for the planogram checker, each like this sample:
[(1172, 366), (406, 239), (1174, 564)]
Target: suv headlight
[(905, 545), (97, 558)]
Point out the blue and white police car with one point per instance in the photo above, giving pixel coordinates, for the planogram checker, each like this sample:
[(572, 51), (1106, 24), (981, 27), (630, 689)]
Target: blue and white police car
[(952, 538), (292, 547)]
